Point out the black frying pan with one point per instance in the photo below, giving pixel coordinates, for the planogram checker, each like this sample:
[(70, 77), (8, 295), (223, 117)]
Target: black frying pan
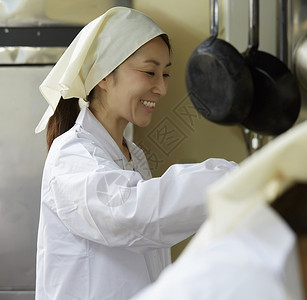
[(277, 101), (218, 80)]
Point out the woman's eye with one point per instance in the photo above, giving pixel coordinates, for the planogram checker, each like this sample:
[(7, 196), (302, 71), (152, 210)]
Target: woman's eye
[(153, 74)]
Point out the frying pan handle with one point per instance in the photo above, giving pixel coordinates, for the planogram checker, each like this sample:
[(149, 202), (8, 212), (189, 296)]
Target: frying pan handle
[(282, 43), (253, 34), (214, 18)]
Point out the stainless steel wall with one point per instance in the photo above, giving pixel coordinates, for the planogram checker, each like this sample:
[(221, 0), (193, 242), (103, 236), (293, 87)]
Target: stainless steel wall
[(22, 155)]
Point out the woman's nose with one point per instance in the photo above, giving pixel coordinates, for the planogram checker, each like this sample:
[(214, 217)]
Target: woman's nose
[(161, 86)]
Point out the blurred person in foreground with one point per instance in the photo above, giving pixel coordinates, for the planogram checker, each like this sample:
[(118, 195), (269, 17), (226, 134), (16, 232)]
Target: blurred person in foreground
[(254, 242)]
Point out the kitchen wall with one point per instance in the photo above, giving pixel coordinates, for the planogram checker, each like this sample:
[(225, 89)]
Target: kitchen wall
[(23, 12), (178, 134), (235, 24)]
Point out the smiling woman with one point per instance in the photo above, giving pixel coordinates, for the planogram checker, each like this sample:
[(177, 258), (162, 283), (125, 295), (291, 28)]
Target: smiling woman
[(151, 59), (106, 227), (130, 93)]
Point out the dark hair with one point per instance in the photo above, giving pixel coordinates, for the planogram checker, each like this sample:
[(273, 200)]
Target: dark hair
[(167, 42), (292, 206), (63, 118)]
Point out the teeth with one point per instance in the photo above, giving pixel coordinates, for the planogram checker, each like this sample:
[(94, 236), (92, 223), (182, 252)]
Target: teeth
[(148, 103)]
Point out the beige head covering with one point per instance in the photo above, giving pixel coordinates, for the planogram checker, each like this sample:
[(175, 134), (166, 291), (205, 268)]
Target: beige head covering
[(98, 49), (262, 177)]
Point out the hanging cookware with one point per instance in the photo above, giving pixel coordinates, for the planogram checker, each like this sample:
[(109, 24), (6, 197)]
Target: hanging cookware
[(217, 78), (276, 102)]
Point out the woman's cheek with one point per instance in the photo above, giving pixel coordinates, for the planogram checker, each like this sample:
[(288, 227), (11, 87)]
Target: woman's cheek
[(141, 81)]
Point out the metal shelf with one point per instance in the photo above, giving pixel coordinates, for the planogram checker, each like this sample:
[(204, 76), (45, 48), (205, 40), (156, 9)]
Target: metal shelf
[(51, 36)]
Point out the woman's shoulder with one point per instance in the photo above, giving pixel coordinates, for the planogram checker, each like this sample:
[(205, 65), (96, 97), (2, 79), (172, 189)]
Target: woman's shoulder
[(70, 139), (76, 145)]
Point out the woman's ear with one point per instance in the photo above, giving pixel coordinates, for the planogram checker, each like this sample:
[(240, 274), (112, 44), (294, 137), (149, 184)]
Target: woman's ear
[(106, 82), (103, 84)]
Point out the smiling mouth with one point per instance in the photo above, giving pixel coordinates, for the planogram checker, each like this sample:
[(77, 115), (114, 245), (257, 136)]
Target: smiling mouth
[(149, 103)]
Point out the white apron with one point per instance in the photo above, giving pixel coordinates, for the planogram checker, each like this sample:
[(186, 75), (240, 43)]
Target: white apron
[(106, 227)]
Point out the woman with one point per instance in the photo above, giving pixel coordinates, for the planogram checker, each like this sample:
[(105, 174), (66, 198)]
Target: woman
[(106, 227)]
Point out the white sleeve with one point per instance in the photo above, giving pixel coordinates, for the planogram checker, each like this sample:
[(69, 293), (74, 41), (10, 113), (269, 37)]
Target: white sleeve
[(98, 201)]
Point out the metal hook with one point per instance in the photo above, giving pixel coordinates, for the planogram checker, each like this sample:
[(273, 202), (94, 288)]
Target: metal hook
[(253, 35), (214, 18)]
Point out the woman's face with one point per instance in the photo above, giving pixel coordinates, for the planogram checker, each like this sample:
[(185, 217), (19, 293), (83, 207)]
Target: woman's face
[(132, 91)]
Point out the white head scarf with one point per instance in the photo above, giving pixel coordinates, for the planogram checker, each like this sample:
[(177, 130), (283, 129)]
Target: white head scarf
[(99, 48), (261, 178)]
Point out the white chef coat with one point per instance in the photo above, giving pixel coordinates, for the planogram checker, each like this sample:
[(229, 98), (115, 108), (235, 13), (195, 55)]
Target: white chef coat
[(105, 225), (256, 261)]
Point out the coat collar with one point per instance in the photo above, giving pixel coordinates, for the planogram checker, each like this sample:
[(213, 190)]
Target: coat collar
[(86, 121)]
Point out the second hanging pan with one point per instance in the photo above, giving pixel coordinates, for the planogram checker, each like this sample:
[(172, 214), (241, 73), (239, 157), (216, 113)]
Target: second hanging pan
[(277, 101)]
